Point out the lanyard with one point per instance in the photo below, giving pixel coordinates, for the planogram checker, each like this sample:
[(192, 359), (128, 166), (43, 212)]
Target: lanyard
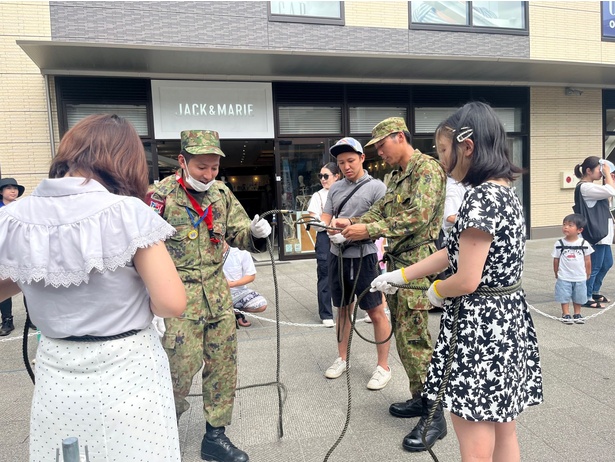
[(206, 214)]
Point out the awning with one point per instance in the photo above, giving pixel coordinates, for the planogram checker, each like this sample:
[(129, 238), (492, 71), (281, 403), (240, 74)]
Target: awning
[(159, 62)]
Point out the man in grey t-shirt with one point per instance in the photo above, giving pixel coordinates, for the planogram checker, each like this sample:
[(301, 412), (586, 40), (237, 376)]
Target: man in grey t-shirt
[(358, 260)]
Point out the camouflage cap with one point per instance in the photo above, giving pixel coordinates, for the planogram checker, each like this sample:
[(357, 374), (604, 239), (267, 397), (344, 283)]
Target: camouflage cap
[(386, 127), (201, 142)]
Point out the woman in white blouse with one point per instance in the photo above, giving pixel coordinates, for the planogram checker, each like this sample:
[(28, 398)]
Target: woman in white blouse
[(328, 175), (89, 255), (597, 195)]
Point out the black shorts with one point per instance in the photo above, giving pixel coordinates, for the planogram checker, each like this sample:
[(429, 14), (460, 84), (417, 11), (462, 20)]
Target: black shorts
[(369, 271)]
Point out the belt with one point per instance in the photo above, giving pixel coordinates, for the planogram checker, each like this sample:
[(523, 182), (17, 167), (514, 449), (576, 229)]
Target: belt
[(498, 291), (92, 338)]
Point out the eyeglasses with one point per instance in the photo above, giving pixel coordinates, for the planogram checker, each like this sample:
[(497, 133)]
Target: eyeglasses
[(323, 175)]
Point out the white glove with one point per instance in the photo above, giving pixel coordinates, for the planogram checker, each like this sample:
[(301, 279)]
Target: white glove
[(260, 227), (158, 324), (337, 238), (433, 297), (383, 282)]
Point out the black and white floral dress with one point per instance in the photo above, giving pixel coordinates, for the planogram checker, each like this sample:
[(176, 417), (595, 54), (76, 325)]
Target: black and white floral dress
[(496, 366)]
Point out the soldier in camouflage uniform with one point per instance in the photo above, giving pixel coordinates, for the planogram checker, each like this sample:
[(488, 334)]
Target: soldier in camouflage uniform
[(409, 216), (205, 213)]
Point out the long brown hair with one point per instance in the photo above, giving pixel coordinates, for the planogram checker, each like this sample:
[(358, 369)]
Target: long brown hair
[(107, 148)]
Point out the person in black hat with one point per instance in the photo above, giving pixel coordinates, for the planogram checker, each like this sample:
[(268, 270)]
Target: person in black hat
[(10, 191)]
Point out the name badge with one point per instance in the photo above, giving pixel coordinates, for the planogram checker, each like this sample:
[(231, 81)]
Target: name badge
[(193, 234)]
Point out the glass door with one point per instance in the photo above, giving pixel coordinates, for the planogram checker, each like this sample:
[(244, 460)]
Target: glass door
[(299, 162)]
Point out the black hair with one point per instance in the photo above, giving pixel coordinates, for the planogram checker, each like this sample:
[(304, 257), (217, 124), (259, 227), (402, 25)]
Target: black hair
[(578, 220), (406, 134), (187, 156), (590, 162), (332, 167), (491, 157)]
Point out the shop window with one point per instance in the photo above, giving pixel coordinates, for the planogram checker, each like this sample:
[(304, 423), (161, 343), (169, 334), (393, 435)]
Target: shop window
[(307, 12), (135, 114), (427, 119), (309, 120), (609, 137), (364, 119), (469, 15)]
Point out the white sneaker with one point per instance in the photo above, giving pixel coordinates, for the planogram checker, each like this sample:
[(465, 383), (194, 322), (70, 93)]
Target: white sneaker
[(328, 323), (367, 319), (336, 369), (380, 379)]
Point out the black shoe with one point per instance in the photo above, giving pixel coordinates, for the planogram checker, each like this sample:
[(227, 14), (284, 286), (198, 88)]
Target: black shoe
[(413, 441), (411, 408), (7, 326), (217, 447)]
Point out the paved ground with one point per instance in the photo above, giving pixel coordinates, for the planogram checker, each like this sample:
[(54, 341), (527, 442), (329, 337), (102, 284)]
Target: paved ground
[(575, 423)]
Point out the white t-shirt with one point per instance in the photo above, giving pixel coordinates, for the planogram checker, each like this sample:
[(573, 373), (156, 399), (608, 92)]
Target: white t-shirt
[(317, 205), (593, 192), (238, 264), (572, 261), (454, 197)]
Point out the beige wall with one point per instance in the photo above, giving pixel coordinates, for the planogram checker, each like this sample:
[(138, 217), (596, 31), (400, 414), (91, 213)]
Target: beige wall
[(568, 31), (24, 129), (393, 15), (564, 131)]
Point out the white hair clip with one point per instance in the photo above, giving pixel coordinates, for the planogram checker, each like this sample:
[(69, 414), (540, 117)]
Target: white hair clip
[(464, 134)]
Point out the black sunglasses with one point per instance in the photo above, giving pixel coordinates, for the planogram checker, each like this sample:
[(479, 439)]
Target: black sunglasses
[(323, 175)]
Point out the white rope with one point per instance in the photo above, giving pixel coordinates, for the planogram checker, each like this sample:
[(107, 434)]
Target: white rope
[(297, 324), (603, 310), (20, 337), (286, 323)]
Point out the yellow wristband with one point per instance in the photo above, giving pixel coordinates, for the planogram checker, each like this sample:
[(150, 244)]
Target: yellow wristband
[(403, 276), (435, 288)]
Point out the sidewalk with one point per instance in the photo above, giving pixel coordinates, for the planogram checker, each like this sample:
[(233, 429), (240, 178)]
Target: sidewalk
[(575, 423)]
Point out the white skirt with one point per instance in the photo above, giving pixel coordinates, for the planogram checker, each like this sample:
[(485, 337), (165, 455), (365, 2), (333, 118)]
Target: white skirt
[(115, 396)]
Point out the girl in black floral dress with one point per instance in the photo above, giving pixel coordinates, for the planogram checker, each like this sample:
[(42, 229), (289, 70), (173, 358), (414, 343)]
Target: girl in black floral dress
[(495, 372)]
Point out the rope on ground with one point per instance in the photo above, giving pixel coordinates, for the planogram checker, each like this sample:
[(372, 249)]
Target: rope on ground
[(286, 323), (586, 318)]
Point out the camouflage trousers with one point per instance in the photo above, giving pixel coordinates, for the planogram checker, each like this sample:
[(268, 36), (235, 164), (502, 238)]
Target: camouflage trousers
[(212, 345), (412, 339)]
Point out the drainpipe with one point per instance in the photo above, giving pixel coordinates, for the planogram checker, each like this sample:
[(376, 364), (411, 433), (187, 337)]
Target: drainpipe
[(49, 117)]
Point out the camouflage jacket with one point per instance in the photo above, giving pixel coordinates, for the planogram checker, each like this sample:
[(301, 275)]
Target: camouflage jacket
[(199, 261), (410, 213)]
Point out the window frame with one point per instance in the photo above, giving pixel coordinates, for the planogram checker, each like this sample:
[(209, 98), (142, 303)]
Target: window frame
[(471, 28), (307, 19)]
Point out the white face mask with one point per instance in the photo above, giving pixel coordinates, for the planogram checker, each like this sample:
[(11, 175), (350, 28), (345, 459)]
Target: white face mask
[(198, 186)]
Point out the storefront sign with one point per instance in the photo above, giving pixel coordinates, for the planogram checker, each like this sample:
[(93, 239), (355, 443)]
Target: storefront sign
[(236, 110), (608, 19)]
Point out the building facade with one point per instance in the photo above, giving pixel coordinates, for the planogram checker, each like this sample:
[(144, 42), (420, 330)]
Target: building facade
[(282, 81)]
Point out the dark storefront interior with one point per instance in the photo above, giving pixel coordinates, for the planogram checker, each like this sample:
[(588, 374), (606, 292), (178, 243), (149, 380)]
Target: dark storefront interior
[(309, 117)]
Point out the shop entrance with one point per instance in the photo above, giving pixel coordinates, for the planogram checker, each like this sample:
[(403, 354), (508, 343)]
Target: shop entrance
[(300, 162), (247, 169)]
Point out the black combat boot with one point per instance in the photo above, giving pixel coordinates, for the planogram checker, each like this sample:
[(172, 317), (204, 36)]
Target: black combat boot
[(413, 441), (7, 326), (217, 447), (411, 408)]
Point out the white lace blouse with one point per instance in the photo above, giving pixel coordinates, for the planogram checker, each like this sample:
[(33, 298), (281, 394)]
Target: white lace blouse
[(69, 246)]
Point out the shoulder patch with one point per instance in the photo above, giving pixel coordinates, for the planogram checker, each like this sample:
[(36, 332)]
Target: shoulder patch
[(155, 204)]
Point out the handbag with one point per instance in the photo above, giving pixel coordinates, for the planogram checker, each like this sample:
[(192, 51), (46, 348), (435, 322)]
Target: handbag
[(597, 217)]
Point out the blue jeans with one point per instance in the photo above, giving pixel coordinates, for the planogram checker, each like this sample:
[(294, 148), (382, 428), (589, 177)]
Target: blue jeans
[(602, 260)]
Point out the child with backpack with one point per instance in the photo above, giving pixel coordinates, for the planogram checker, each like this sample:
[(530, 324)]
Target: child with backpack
[(572, 267)]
